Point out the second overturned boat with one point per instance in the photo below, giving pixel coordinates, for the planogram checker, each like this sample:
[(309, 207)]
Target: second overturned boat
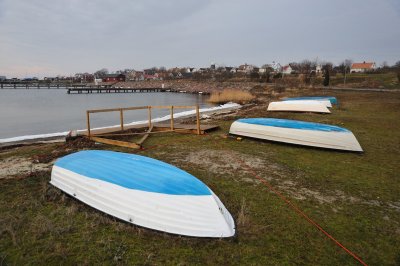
[(332, 99), (297, 132), (299, 106)]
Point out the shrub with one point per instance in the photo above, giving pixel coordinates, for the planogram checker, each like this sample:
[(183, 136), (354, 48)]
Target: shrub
[(231, 95), (326, 78)]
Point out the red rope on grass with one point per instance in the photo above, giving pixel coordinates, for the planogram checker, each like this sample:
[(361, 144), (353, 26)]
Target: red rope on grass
[(287, 201), (297, 209)]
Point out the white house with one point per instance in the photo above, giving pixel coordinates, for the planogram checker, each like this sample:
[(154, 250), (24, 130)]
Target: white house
[(287, 69), (276, 67), (318, 69), (245, 68), (362, 67)]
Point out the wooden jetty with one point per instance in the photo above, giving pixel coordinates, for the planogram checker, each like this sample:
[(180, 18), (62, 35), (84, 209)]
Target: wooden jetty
[(30, 85), (103, 135), (109, 89)]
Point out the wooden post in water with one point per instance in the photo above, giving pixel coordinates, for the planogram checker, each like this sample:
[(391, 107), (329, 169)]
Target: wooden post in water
[(149, 109), (88, 122), (121, 118), (172, 117), (198, 119)]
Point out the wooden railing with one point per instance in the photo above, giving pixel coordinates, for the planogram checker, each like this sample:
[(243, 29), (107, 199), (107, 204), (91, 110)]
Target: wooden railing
[(150, 123)]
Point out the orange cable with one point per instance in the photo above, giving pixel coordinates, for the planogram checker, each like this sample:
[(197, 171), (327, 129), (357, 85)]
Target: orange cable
[(297, 209)]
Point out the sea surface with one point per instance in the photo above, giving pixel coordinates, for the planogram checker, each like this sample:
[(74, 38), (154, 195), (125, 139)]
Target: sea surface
[(25, 112)]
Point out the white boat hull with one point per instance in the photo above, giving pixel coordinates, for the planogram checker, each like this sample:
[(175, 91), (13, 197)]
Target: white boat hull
[(187, 207), (299, 106), (325, 102), (331, 140)]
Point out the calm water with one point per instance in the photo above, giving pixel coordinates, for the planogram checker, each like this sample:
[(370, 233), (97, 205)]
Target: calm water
[(39, 111)]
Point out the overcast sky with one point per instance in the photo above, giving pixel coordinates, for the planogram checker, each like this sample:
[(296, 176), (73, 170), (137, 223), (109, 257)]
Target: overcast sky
[(63, 37)]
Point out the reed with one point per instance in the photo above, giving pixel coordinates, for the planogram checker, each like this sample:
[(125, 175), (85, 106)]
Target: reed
[(231, 95)]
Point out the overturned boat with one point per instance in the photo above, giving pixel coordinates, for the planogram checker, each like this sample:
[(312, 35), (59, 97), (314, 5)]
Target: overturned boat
[(332, 99), (299, 106), (297, 132), (325, 102), (143, 191)]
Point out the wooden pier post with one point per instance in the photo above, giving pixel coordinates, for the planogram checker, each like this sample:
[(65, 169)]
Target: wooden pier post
[(172, 117), (198, 119), (149, 110), (121, 117), (88, 122)]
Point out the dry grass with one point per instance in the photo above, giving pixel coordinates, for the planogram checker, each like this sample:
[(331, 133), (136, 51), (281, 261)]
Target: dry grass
[(231, 95)]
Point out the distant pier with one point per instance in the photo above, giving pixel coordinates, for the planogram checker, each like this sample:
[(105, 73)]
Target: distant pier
[(86, 88), (30, 85), (96, 89)]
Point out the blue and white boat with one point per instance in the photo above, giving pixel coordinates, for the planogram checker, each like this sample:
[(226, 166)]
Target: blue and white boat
[(300, 106), (297, 132), (332, 99), (143, 191)]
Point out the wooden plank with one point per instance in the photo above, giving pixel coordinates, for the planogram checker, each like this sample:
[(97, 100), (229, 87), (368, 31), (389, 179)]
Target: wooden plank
[(121, 119), (198, 119), (140, 142), (103, 110), (172, 118), (161, 106), (154, 131), (116, 142), (117, 109), (139, 108), (185, 106), (88, 122), (186, 126), (149, 111), (134, 108)]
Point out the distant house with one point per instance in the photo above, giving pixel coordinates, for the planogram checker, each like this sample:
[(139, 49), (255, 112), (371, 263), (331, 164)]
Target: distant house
[(156, 76), (318, 69), (114, 77), (139, 76), (276, 67), (362, 67), (150, 71), (3, 78), (233, 70), (245, 68), (287, 69)]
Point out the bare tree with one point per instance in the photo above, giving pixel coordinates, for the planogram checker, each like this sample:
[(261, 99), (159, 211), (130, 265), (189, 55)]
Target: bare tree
[(306, 66), (101, 73)]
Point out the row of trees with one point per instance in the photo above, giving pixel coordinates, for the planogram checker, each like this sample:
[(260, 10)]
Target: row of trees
[(306, 67)]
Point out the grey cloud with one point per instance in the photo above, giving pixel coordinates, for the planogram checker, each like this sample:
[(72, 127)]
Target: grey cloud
[(76, 35)]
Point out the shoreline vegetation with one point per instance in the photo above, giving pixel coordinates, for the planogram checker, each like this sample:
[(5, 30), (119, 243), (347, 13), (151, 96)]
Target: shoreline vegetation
[(231, 95), (354, 197), (207, 83)]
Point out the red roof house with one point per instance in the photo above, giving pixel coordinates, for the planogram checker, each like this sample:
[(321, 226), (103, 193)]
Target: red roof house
[(362, 67)]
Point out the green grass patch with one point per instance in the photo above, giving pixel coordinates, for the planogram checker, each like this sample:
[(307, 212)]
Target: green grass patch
[(355, 197)]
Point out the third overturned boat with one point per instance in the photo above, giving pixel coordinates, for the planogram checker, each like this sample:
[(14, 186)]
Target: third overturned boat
[(299, 106), (297, 132)]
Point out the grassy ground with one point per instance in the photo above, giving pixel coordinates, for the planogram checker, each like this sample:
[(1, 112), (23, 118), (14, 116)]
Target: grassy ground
[(354, 197), (383, 80), (353, 80)]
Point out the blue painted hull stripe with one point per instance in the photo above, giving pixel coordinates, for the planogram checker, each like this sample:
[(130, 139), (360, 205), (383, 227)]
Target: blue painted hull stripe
[(133, 172), (332, 99), (295, 124)]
